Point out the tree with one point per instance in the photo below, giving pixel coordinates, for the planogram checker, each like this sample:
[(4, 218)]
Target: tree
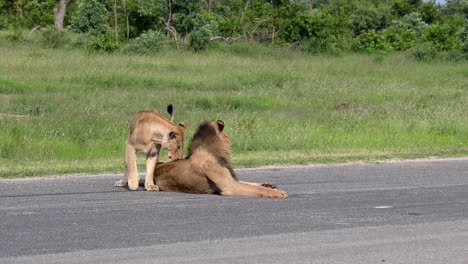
[(59, 13), (91, 17), (127, 24), (367, 17)]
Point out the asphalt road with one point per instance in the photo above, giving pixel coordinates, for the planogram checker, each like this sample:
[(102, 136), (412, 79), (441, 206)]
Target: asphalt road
[(398, 212)]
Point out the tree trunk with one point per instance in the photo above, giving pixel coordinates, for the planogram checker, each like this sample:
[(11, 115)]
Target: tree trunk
[(116, 25), (124, 3), (168, 25), (209, 3), (311, 4), (59, 13)]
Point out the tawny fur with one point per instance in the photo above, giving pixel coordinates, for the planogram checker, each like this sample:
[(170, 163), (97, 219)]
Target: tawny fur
[(207, 168), (149, 131)]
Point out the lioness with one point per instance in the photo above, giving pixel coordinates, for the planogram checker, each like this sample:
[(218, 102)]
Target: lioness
[(149, 131), (206, 169)]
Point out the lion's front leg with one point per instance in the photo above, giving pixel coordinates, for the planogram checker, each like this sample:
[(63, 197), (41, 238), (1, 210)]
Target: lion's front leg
[(151, 161)]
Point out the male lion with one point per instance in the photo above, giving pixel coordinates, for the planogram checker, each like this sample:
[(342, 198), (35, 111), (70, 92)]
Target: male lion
[(207, 170), (149, 131)]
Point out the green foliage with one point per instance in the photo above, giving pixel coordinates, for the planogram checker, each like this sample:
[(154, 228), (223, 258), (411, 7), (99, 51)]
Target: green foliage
[(150, 41), (14, 35), (400, 38), (371, 42), (105, 43), (152, 8), (326, 33), (38, 13), (53, 38), (200, 37), (441, 37), (429, 11), (405, 7), (412, 21), (463, 34), (423, 52), (366, 18), (90, 18), (455, 7), (330, 26)]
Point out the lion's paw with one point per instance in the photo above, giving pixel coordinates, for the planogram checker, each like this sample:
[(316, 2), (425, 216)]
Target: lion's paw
[(120, 183), (269, 185), (153, 188), (284, 194)]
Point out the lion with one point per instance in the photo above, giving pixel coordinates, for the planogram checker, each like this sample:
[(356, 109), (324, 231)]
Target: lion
[(207, 168), (149, 131)]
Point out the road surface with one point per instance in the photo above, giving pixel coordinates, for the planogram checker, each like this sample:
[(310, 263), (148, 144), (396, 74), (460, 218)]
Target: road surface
[(397, 212)]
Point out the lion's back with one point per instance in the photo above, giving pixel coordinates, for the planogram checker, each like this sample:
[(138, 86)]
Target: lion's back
[(179, 176)]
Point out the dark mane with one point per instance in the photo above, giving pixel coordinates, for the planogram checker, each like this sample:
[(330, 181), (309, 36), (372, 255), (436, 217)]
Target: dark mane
[(204, 135), (207, 138)]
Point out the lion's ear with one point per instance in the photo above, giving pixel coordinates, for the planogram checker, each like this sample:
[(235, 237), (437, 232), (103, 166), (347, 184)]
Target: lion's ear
[(220, 125), (172, 135), (183, 125)]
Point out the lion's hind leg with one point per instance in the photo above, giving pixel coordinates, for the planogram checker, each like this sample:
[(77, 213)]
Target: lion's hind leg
[(262, 189), (131, 170), (268, 185), (231, 187)]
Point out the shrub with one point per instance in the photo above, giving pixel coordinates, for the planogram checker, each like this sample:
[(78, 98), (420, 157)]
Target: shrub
[(441, 37), (425, 51), (244, 48), (463, 35), (52, 37), (366, 18), (79, 40), (103, 43), (200, 37), (16, 35), (326, 33), (371, 42), (148, 42), (412, 21), (400, 38), (90, 18)]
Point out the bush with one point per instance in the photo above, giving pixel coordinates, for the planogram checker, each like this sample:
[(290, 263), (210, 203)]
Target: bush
[(412, 21), (371, 42), (463, 35), (79, 40), (52, 37), (149, 42), (456, 55), (200, 37), (90, 18), (366, 18), (441, 37), (400, 38), (423, 52), (103, 43), (326, 33), (16, 35)]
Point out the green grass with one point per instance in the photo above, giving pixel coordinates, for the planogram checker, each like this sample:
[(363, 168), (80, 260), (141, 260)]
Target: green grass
[(73, 109)]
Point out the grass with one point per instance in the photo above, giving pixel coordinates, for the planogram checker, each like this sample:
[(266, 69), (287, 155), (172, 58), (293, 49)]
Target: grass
[(64, 111)]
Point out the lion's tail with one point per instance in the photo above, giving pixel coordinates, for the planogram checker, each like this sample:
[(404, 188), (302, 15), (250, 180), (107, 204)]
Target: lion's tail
[(170, 110)]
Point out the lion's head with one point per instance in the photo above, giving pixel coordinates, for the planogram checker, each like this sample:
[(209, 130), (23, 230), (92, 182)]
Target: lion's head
[(175, 142), (212, 138)]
